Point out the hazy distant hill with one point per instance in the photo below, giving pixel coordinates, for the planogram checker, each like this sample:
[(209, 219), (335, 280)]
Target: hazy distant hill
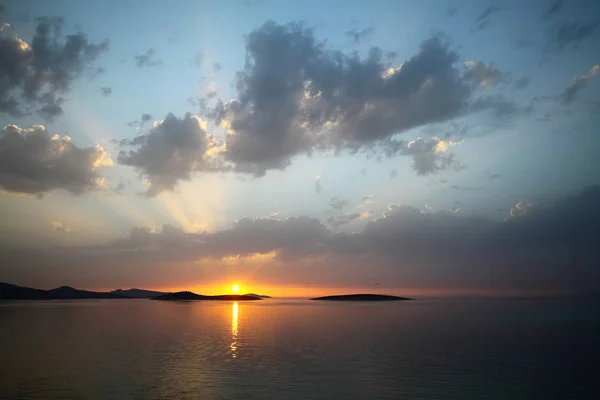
[(180, 296), (137, 293), (14, 292)]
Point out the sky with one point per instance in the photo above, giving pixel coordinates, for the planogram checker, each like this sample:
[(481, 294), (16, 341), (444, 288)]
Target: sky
[(301, 148)]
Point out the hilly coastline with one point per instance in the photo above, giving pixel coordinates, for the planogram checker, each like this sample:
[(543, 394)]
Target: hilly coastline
[(187, 296)]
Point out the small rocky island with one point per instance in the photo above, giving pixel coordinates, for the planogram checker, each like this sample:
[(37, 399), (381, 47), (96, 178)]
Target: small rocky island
[(361, 297), (186, 296)]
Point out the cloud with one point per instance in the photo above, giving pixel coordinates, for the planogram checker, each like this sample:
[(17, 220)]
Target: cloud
[(34, 76), (430, 156), (393, 174), (522, 83), (296, 96), (147, 59), (197, 60), (342, 220), (336, 203), (484, 19), (34, 162), (146, 117), (550, 248), (60, 227), (451, 11), (579, 83), (569, 35), (521, 209), (217, 67), (106, 91), (482, 74), (552, 9), (359, 35), (466, 188), (172, 151), (318, 186)]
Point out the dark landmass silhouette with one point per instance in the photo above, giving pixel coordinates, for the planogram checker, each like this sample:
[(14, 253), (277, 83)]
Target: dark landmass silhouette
[(137, 293), (183, 296), (361, 297), (262, 296), (14, 292)]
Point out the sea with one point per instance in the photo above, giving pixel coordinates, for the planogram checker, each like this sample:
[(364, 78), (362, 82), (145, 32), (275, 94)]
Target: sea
[(435, 348)]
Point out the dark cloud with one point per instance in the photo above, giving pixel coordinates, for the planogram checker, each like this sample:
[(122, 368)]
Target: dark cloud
[(146, 117), (106, 91), (359, 35), (217, 67), (173, 150), (34, 76), (522, 83), (552, 9), (549, 247), (34, 162), (579, 83), (484, 19), (147, 59), (341, 220), (569, 35), (335, 203), (295, 96)]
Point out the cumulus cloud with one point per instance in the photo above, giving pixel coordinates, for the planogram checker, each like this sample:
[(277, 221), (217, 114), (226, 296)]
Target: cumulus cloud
[(34, 76), (146, 59), (32, 161), (173, 150), (296, 96), (430, 156), (359, 35), (579, 83), (552, 249), (106, 91), (482, 74), (569, 35)]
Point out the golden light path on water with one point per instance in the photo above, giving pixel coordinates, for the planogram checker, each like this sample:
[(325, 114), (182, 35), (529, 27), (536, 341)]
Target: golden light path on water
[(234, 329)]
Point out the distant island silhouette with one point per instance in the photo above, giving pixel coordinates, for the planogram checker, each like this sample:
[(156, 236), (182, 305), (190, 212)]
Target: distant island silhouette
[(361, 297), (14, 292), (262, 296), (185, 296)]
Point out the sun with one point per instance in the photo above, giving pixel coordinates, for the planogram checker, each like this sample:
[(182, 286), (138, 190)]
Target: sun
[(235, 288)]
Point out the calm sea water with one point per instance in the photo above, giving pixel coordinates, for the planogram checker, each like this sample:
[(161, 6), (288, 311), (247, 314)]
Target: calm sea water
[(291, 349)]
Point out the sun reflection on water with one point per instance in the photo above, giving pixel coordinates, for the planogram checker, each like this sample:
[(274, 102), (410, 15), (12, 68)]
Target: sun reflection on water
[(234, 329)]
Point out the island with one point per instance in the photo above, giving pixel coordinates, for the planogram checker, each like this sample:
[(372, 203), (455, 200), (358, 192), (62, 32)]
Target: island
[(262, 296), (188, 296), (361, 297)]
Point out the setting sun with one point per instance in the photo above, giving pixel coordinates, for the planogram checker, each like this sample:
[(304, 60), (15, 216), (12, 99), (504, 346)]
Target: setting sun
[(235, 288)]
